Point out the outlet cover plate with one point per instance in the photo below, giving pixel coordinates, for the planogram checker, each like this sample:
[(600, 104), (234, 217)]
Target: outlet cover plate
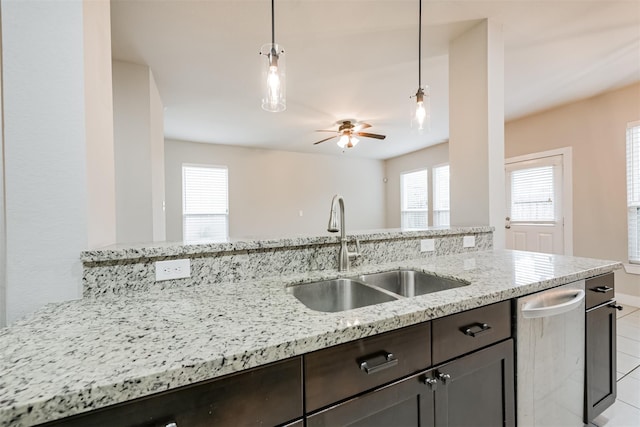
[(427, 245), (173, 269), (468, 241)]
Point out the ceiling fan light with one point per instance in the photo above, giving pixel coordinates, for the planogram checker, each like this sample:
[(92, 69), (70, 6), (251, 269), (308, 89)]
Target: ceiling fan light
[(354, 141), (343, 141)]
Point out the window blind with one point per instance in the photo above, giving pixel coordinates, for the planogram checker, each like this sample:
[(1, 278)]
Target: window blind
[(205, 209), (532, 194), (414, 194), (441, 195), (633, 190)]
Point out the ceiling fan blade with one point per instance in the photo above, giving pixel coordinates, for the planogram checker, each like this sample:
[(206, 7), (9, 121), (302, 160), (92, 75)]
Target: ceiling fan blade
[(361, 126), (326, 139), (371, 135)]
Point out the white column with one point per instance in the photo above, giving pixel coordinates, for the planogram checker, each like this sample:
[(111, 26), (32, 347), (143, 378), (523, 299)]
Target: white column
[(99, 124), (476, 128), (139, 148), (44, 152)]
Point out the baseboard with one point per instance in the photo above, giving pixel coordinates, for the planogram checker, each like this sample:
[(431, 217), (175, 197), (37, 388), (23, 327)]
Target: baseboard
[(628, 299)]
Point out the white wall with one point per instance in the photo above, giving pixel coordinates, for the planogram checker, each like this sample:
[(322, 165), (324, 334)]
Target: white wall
[(3, 236), (99, 123), (269, 188), (138, 134), (425, 158), (596, 129), (44, 152)]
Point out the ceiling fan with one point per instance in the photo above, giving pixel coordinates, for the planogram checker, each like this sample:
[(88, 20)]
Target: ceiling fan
[(347, 131)]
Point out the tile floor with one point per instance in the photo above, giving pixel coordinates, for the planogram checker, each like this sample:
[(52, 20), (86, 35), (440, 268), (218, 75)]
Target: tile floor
[(625, 412)]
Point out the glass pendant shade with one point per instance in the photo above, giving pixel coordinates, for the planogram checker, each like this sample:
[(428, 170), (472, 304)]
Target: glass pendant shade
[(347, 141), (273, 78), (421, 110)]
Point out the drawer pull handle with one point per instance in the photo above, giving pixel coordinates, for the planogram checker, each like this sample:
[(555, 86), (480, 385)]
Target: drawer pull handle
[(432, 383), (476, 329), (617, 307), (172, 424), (389, 361), (603, 289)]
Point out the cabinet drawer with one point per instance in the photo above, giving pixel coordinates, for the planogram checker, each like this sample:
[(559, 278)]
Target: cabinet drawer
[(470, 330), (599, 289), (338, 372), (269, 395)]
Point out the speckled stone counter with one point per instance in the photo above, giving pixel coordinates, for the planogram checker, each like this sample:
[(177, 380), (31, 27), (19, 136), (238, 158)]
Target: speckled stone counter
[(77, 356), (122, 270)]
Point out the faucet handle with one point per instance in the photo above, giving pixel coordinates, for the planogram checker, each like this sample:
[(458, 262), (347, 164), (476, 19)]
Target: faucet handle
[(356, 253)]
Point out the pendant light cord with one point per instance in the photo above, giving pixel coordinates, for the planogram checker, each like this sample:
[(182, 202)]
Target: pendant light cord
[(420, 46), (273, 22)]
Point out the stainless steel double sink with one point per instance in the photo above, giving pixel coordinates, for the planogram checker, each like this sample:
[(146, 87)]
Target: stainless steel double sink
[(369, 289)]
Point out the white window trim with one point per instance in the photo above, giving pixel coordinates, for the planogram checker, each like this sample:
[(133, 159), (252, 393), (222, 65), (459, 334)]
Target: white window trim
[(567, 188), (633, 266)]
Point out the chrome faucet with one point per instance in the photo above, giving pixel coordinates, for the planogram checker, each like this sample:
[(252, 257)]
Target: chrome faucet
[(345, 255)]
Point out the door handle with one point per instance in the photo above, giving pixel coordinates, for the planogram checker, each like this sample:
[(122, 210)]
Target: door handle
[(507, 223)]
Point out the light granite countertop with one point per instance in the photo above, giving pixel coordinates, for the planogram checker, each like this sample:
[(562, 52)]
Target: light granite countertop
[(172, 249), (81, 355)]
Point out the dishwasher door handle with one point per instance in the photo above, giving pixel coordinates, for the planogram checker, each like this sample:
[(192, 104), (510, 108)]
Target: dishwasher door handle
[(537, 307)]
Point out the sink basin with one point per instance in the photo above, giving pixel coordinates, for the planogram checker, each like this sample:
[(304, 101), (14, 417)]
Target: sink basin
[(409, 283), (338, 295)]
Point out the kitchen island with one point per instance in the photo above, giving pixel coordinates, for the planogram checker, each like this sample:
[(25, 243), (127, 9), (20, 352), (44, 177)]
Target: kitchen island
[(81, 355)]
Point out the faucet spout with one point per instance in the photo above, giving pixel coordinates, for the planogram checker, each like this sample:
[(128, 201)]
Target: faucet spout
[(344, 255)]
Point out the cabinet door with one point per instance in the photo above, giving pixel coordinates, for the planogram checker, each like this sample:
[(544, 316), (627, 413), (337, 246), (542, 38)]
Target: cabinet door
[(478, 390), (264, 396), (406, 403), (600, 360)]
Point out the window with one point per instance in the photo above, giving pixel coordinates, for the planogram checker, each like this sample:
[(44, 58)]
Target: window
[(534, 192), (441, 195), (205, 207), (633, 190), (414, 195)]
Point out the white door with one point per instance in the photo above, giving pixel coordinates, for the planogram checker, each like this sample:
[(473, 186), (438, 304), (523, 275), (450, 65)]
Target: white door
[(534, 219)]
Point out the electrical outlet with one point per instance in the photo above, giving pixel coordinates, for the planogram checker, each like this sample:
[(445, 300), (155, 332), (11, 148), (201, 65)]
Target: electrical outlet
[(468, 241), (427, 245), (173, 269)]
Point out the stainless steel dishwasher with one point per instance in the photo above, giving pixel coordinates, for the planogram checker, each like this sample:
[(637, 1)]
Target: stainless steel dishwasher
[(550, 357)]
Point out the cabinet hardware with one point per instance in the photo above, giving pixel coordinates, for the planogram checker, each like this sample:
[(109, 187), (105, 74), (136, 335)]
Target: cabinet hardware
[(444, 378), (172, 424), (475, 329), (432, 383), (389, 361), (614, 305), (603, 289)]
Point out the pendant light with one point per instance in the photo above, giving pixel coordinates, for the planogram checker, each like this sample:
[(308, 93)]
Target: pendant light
[(273, 72), (421, 113)]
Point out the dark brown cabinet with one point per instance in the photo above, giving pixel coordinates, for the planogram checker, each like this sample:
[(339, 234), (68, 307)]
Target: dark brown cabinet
[(600, 346), (477, 390), (474, 384), (406, 403), (265, 396)]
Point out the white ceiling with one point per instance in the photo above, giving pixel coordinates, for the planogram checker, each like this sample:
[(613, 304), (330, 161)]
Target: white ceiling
[(358, 59)]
